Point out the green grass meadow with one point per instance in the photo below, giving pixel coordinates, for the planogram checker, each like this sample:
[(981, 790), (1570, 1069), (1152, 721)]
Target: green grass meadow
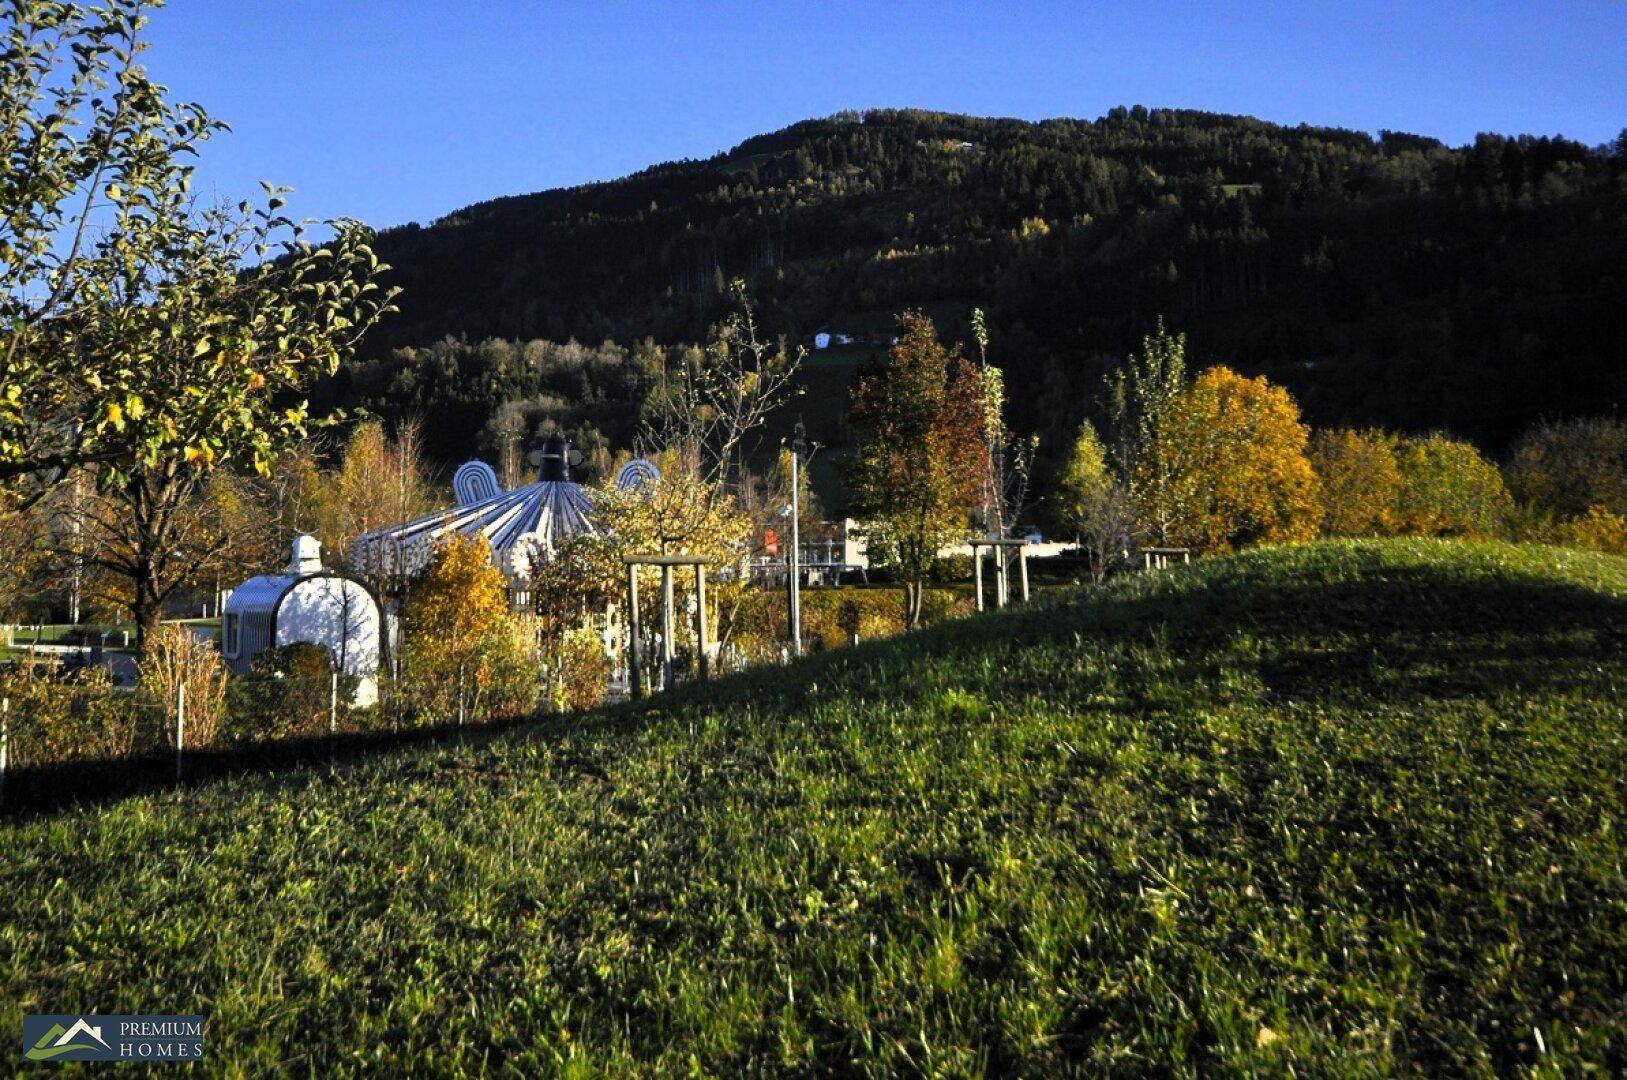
[(1340, 809)]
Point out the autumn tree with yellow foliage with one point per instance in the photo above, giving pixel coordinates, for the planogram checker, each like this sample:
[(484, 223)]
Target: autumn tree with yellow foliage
[(1090, 499), (1449, 488), (1597, 530), (464, 651), (1361, 482), (1232, 451)]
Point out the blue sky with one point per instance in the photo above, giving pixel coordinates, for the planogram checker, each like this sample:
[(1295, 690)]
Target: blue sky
[(405, 110)]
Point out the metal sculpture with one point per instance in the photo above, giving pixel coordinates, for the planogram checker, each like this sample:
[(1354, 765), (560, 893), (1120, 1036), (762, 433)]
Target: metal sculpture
[(638, 475), (475, 482)]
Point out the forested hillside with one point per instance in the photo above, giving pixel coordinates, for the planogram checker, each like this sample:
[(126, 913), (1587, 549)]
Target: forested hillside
[(1388, 280)]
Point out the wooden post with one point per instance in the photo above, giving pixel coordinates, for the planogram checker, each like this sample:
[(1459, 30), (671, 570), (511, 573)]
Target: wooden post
[(700, 621), (667, 651), (1022, 570), (977, 573), (1001, 591), (635, 688), (5, 741), (333, 703), (180, 728)]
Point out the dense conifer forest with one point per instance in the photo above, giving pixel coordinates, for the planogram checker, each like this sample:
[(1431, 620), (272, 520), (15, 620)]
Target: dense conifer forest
[(1383, 279)]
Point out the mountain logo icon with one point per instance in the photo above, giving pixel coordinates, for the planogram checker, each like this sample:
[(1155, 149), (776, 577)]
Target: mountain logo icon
[(59, 1040)]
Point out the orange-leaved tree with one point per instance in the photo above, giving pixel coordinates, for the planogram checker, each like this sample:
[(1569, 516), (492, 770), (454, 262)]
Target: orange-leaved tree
[(1361, 483), (1234, 450), (463, 646), (922, 460)]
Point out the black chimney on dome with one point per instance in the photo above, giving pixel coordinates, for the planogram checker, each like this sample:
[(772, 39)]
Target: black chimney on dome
[(554, 463)]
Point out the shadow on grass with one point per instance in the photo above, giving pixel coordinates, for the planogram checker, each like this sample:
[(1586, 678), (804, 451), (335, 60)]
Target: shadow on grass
[(46, 789)]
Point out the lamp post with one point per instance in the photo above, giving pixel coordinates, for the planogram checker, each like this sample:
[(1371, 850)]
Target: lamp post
[(798, 441)]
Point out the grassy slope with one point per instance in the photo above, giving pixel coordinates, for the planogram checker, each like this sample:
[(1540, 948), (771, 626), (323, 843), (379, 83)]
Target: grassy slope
[(1354, 806)]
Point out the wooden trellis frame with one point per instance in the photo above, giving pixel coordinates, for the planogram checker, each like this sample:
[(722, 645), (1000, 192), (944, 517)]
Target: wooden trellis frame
[(1002, 566), (635, 682), (1162, 558)]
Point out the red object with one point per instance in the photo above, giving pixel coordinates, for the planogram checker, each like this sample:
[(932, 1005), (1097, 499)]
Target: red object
[(771, 541)]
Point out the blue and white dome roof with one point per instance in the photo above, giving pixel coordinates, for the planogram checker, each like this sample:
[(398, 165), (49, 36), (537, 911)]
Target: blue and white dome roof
[(525, 527)]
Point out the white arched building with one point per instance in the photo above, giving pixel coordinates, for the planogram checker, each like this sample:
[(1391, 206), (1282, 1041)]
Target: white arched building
[(305, 603)]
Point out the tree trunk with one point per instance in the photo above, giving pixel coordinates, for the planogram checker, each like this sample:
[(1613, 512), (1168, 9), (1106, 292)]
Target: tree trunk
[(147, 612), (912, 604)]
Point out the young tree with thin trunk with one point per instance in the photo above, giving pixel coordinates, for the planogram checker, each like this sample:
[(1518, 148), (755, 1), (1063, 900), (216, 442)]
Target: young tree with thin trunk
[(922, 460), (1093, 503), (1011, 459), (708, 405), (1141, 398)]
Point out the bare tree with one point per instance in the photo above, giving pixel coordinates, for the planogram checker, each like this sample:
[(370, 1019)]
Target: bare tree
[(709, 404)]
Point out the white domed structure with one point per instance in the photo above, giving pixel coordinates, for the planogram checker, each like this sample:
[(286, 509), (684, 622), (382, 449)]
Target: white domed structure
[(305, 603), (525, 527)]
